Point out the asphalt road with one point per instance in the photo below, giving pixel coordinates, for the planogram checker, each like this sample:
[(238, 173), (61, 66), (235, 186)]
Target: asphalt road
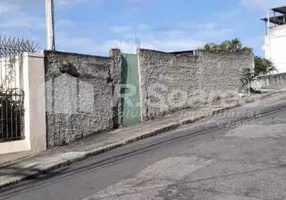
[(222, 158)]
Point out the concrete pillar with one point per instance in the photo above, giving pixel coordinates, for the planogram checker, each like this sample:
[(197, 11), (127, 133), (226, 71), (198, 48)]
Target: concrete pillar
[(115, 73)]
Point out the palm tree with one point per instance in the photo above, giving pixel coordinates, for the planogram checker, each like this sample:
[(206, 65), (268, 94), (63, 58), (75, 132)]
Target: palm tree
[(247, 50), (207, 47), (226, 46), (270, 66), (236, 44), (247, 77), (210, 47), (263, 66)]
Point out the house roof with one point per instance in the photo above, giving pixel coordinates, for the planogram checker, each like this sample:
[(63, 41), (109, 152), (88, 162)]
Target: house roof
[(281, 10), (279, 20), (183, 52)]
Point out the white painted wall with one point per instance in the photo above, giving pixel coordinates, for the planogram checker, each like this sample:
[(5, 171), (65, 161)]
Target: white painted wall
[(33, 83), (275, 47), (10, 72)]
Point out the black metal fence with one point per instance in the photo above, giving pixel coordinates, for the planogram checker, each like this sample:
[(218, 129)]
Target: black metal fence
[(11, 86)]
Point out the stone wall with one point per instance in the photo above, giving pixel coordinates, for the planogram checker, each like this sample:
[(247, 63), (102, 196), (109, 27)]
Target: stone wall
[(172, 81), (222, 71), (162, 75), (273, 81), (82, 95), (83, 91)]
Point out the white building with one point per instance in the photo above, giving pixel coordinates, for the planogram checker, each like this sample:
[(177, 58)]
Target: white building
[(275, 39)]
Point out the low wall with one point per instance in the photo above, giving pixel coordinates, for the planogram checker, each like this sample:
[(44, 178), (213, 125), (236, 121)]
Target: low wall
[(273, 81), (82, 95), (171, 81)]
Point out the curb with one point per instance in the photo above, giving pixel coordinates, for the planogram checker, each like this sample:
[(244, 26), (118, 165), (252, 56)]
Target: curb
[(94, 152), (34, 174)]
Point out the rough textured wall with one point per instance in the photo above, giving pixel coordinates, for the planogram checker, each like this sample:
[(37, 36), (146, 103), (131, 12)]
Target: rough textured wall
[(163, 78), (171, 81), (273, 81), (81, 95), (221, 71)]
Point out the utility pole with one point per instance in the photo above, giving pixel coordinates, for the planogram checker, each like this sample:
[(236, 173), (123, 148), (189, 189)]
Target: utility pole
[(50, 20)]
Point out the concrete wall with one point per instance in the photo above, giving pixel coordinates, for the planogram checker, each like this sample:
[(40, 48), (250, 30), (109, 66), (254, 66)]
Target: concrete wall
[(32, 71), (171, 81), (162, 77), (273, 81), (275, 47), (12, 66), (222, 71), (82, 95)]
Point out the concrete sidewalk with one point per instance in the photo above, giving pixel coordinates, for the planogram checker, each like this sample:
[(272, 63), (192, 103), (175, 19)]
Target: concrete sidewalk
[(56, 158)]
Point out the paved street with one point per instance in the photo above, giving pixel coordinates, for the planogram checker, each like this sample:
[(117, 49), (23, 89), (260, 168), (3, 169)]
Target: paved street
[(218, 159)]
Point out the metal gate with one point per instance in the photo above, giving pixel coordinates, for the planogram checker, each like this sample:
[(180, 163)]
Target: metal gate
[(11, 84), (130, 90)]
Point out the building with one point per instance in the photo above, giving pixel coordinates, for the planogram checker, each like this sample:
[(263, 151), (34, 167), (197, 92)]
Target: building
[(275, 39)]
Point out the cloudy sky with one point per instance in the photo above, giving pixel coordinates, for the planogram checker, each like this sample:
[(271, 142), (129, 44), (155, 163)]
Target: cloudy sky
[(95, 26)]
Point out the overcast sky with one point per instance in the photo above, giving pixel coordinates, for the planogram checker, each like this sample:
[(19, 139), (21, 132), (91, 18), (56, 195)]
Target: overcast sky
[(95, 26)]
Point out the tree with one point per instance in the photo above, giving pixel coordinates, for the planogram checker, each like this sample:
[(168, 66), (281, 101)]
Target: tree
[(236, 44), (210, 47), (247, 77), (247, 50), (228, 46), (263, 66)]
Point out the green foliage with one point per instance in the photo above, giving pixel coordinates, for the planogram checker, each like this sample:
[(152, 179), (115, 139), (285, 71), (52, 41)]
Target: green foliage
[(227, 46), (236, 44), (247, 50), (247, 77), (263, 66)]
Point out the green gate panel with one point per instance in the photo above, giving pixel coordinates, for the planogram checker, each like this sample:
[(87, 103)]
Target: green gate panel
[(130, 94)]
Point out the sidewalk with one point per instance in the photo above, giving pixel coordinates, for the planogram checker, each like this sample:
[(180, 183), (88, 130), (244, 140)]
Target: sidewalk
[(56, 158)]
